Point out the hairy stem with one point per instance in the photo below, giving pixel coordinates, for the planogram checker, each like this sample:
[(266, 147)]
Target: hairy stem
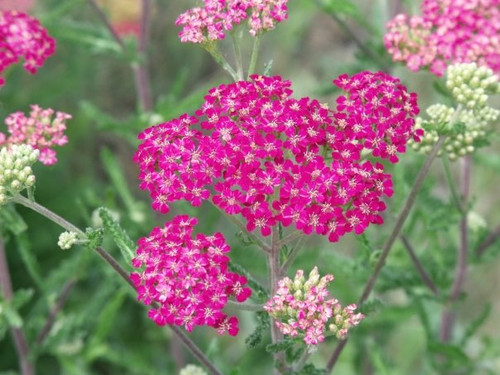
[(254, 56), (219, 59), (47, 213), (274, 277), (419, 266), (448, 316), (292, 255), (20, 342), (235, 39), (390, 241), (451, 184), (245, 306)]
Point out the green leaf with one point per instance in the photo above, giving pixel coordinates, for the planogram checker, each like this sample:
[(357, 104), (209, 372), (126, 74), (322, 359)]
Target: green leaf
[(12, 220), (255, 338), (21, 297), (120, 237), (105, 323), (11, 315), (453, 353), (29, 259), (95, 238), (280, 346)]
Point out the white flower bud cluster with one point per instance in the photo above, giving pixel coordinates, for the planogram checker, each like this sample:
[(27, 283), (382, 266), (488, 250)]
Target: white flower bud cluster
[(15, 170), (192, 370), (67, 240), (471, 85)]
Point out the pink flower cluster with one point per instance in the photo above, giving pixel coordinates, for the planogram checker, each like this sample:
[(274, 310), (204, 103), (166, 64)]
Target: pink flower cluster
[(41, 130), (301, 308), (23, 36), (275, 159), (218, 16), (449, 31), (187, 278)]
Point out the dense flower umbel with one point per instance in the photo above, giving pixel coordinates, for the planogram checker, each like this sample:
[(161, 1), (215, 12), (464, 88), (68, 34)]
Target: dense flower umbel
[(15, 170), (301, 308), (449, 31), (22, 36), (187, 277), (275, 159), (41, 130), (211, 22), (468, 126)]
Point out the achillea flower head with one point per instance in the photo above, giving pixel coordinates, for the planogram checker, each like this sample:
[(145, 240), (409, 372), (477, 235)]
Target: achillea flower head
[(192, 370), (43, 129), (187, 278), (15, 170), (216, 17), (67, 240), (468, 126), (22, 36), (301, 308), (447, 32), (261, 153)]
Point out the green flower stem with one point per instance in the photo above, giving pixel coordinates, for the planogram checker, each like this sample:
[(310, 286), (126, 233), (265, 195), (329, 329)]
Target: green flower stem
[(451, 184), (274, 276), (448, 316), (108, 258), (254, 56), (48, 214), (20, 342), (245, 306), (297, 366), (419, 266), (235, 39), (212, 48), (291, 237), (292, 255), (410, 201)]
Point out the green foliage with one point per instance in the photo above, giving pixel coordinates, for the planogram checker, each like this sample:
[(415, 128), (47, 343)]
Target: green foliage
[(263, 324), (120, 237)]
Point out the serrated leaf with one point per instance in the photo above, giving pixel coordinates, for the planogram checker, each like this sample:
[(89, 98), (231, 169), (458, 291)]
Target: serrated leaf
[(118, 234), (95, 238), (453, 353), (280, 346), (255, 338)]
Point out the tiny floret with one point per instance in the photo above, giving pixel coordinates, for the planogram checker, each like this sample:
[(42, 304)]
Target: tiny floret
[(22, 36), (258, 152), (187, 278), (42, 129), (67, 240), (192, 370), (15, 170), (302, 308)]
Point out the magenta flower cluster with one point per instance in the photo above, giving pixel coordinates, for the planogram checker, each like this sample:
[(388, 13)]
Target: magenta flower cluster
[(187, 278), (301, 308), (211, 22), (272, 158), (41, 130), (447, 32), (22, 36)]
